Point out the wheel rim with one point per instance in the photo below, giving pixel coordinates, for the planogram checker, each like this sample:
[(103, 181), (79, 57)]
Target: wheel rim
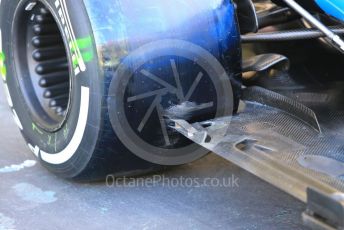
[(42, 65)]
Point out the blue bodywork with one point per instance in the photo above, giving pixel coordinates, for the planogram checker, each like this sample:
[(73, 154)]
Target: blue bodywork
[(334, 8), (122, 26), (129, 24)]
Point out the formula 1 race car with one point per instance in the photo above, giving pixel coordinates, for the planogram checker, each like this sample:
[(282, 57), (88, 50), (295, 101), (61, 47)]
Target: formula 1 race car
[(127, 87), (122, 88)]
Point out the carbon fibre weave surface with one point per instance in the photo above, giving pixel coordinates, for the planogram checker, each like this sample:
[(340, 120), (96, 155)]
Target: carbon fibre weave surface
[(280, 145)]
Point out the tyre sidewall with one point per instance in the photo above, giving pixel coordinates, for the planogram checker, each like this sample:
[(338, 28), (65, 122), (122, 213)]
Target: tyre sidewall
[(39, 140)]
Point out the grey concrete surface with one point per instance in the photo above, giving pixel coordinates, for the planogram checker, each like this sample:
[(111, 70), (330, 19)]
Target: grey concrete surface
[(32, 198)]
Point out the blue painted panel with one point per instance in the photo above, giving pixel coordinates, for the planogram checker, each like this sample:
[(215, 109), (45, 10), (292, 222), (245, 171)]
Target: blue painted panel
[(334, 8)]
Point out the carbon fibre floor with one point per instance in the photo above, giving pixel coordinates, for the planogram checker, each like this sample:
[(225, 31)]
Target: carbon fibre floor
[(293, 142)]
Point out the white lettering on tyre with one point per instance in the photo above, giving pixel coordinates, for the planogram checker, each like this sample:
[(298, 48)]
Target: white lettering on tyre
[(77, 59), (34, 150)]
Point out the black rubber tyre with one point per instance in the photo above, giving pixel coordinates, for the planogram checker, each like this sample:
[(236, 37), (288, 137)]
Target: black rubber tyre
[(79, 108)]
